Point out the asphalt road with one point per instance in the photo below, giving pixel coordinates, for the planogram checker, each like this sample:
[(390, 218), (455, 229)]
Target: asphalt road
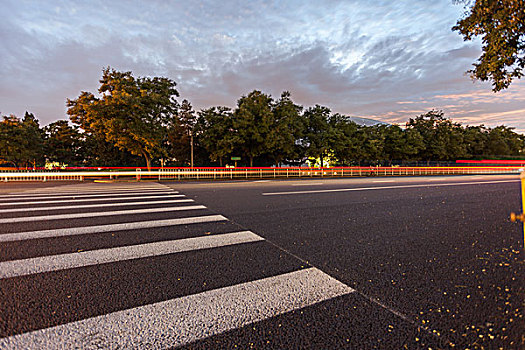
[(388, 263)]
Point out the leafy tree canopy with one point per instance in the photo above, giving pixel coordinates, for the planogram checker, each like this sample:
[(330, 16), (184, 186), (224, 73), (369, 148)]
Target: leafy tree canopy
[(319, 133), (253, 120), (180, 133), (214, 131), (442, 139), (21, 141), (131, 113), (287, 130), (501, 25), (63, 143)]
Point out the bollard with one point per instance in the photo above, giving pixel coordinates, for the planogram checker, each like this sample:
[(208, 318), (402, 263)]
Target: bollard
[(521, 217)]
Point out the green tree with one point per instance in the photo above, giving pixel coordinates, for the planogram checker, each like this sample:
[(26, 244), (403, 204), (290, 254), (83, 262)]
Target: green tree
[(131, 113), (63, 143), (21, 141), (401, 144), (475, 138), (501, 25), (374, 142), (319, 133), (214, 132), (442, 139), (503, 141), (97, 152), (287, 130), (414, 144), (346, 146), (181, 132), (253, 121), (11, 140), (394, 145)]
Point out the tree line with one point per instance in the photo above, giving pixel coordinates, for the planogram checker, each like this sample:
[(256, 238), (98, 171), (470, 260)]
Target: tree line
[(132, 121)]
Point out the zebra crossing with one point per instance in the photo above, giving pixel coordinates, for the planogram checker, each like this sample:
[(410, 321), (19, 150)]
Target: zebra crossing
[(137, 265)]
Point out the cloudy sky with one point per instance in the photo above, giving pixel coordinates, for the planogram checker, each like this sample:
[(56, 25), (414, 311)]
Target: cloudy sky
[(386, 60)]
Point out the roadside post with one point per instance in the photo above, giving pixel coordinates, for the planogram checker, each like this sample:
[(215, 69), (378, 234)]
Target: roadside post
[(521, 217), (235, 159)]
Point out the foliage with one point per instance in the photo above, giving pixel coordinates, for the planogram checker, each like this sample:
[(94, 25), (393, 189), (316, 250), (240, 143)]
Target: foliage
[(63, 143), (214, 132), (287, 130), (133, 117), (96, 151), (503, 141), (131, 113), (253, 120), (21, 141), (402, 144), (180, 133), (319, 133), (347, 145), (442, 139), (501, 25)]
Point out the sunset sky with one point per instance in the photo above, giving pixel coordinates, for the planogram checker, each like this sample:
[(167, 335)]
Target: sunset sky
[(386, 60)]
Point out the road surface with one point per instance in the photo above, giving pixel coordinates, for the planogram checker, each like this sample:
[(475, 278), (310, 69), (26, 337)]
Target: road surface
[(424, 262)]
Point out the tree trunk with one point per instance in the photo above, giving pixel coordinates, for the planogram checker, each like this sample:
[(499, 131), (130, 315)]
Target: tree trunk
[(321, 157), (220, 161), (148, 160), (251, 161)]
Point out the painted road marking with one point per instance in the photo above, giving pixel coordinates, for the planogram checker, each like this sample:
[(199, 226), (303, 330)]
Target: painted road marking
[(187, 319), (97, 186), (59, 193), (97, 214), (92, 188), (308, 184), (169, 195), (383, 188), (73, 195), (100, 205), (20, 236), (49, 263)]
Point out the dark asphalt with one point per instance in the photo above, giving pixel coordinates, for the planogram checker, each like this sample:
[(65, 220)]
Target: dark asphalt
[(447, 258), (433, 267), (70, 295), (71, 244), (347, 322)]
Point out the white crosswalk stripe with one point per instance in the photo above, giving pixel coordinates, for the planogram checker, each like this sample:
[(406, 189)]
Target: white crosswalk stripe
[(76, 200), (162, 324), (98, 214), (72, 231), (111, 195), (94, 257), (65, 193), (85, 206), (94, 187), (180, 321)]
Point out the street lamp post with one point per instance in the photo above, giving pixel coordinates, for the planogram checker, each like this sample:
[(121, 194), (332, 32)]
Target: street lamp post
[(191, 147)]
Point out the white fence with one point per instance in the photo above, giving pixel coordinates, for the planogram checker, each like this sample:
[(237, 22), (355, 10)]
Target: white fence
[(247, 173)]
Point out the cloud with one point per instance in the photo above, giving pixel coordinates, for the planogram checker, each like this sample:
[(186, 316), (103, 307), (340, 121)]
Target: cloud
[(386, 60)]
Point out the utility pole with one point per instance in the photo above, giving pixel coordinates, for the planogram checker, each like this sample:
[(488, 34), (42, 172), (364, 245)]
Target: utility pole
[(191, 147)]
